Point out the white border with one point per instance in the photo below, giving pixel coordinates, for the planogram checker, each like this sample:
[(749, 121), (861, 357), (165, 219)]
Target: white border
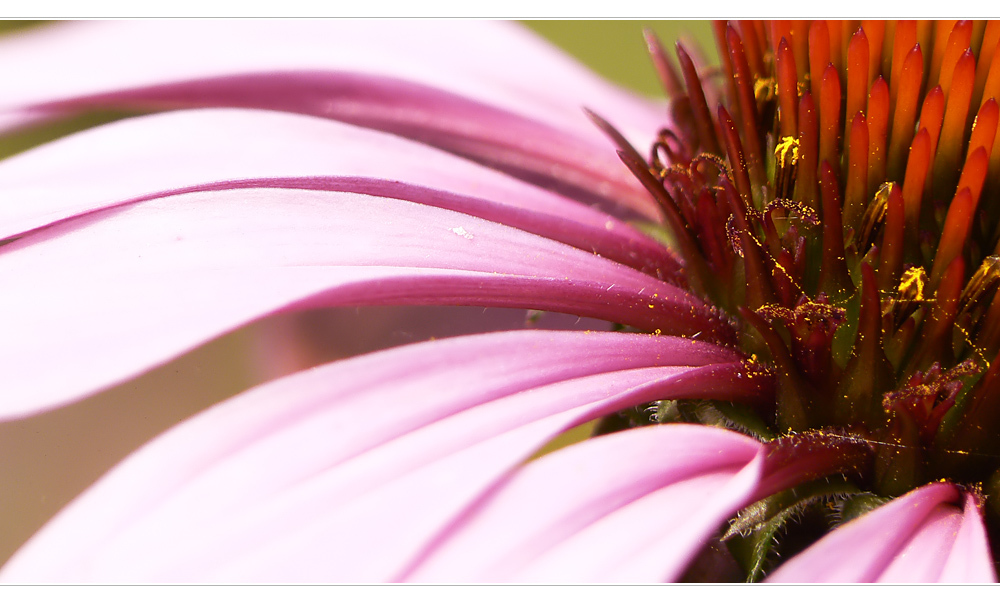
[(520, 9)]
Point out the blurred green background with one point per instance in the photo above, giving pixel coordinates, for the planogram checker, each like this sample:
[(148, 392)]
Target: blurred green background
[(617, 50)]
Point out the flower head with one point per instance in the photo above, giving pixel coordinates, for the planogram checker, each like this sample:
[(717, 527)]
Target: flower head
[(807, 367), (854, 200)]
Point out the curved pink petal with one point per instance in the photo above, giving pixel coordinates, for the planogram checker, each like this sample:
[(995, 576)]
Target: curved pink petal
[(151, 280), (528, 149), (635, 506), (489, 91), (296, 479), (500, 63), (969, 559), (210, 149), (911, 539)]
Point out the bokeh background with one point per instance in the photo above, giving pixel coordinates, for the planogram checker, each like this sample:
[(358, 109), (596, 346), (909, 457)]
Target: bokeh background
[(47, 460), (617, 51)]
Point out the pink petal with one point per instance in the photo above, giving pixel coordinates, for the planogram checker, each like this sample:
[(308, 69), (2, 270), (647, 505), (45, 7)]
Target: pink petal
[(210, 149), (465, 87), (924, 555), (154, 279), (919, 537), (499, 63), (350, 471), (635, 506), (969, 559)]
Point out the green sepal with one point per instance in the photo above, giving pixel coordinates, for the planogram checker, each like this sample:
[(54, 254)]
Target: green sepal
[(844, 336), (714, 413), (755, 532), (734, 417), (676, 411), (857, 505)]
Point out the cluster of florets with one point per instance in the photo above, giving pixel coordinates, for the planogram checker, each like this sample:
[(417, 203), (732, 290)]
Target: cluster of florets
[(825, 188)]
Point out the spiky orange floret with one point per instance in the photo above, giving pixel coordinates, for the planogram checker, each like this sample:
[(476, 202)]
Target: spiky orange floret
[(860, 177)]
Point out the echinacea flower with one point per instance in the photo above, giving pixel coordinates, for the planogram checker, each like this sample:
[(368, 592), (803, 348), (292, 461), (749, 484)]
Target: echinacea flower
[(800, 384)]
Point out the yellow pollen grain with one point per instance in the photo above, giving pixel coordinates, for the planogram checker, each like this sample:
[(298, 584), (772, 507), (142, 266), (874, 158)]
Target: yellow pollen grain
[(764, 89), (786, 155), (911, 286), (874, 216), (982, 283), (787, 151)]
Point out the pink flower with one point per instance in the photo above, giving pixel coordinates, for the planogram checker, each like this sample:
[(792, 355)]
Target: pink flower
[(310, 165)]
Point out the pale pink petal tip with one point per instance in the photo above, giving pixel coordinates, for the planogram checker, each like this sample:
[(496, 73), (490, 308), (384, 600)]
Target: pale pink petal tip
[(636, 506), (924, 536), (969, 559)]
